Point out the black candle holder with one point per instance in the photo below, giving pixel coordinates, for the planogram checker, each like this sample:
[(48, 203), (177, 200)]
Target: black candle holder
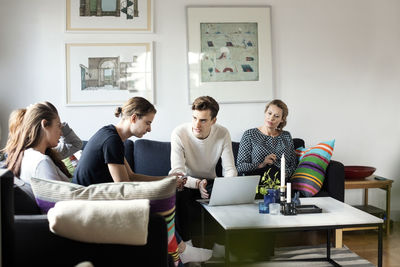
[(282, 201), (289, 209)]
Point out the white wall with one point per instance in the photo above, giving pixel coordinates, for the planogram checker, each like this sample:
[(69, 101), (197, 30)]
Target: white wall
[(336, 64)]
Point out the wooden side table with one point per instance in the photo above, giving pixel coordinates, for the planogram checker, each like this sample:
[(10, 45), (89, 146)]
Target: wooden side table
[(369, 182)]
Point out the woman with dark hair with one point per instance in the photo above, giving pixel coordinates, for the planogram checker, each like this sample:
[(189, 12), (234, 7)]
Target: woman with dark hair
[(34, 143), (103, 159), (261, 148)]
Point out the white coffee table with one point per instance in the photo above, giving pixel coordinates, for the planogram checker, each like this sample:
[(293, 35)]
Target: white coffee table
[(335, 215)]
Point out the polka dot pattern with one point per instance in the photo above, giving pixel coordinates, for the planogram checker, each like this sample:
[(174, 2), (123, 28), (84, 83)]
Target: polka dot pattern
[(255, 146)]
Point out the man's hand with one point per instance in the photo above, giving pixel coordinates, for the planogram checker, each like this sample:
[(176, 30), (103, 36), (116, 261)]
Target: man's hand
[(202, 189)]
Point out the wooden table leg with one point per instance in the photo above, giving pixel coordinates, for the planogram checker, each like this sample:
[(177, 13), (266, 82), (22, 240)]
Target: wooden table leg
[(338, 238), (366, 197)]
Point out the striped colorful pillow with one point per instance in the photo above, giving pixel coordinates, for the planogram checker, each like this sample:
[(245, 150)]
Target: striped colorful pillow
[(310, 173), (160, 193)]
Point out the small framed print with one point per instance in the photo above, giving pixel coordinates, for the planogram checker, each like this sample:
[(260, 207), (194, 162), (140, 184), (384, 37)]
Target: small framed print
[(109, 15), (108, 74)]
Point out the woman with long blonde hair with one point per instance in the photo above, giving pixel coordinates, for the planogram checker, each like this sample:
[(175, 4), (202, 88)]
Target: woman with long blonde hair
[(34, 133)]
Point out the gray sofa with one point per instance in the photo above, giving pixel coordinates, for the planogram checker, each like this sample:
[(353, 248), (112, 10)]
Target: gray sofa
[(47, 249)]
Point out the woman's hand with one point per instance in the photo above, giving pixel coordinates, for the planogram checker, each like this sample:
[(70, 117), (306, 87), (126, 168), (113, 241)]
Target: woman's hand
[(269, 160), (177, 174), (180, 182), (202, 189)]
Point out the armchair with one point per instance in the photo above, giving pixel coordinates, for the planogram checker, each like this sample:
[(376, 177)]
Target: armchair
[(27, 240)]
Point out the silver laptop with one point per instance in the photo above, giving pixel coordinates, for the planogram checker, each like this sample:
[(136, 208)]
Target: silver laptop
[(233, 190)]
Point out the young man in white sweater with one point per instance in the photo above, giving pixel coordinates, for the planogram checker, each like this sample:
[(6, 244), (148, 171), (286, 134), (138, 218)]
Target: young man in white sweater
[(196, 148)]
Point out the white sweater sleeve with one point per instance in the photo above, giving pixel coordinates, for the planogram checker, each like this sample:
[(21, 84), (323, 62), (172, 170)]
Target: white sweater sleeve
[(48, 170), (192, 182), (178, 161), (228, 161), (177, 154)]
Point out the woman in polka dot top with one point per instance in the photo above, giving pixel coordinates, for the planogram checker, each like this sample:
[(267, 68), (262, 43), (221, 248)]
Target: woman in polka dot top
[(262, 147)]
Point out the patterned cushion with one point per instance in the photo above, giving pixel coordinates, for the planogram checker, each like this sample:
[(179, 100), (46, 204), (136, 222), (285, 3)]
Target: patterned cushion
[(310, 173), (160, 193)]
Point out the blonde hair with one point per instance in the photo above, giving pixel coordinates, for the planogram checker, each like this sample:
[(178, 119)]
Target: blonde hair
[(30, 134), (135, 105), (14, 126), (285, 112)]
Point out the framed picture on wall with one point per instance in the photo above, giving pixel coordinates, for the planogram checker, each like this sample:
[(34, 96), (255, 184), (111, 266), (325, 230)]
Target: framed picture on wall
[(108, 74), (109, 15), (229, 53)]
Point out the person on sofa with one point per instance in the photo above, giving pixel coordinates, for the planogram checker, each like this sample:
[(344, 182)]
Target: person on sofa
[(103, 160), (68, 144), (37, 142), (196, 148), (261, 148), (14, 126)]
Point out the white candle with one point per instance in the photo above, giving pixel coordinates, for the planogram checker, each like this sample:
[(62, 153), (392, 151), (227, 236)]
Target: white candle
[(283, 177), (283, 170), (289, 192)]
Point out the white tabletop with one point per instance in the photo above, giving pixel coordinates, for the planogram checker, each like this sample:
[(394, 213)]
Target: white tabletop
[(334, 213)]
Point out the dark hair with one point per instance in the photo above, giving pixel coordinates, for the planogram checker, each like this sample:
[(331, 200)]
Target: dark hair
[(206, 103), (285, 111), (135, 105), (30, 135)]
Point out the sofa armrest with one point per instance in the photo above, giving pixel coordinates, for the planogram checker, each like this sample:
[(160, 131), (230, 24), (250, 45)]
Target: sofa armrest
[(334, 180), (36, 245)]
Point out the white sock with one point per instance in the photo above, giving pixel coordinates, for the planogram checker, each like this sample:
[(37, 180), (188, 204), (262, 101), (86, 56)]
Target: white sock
[(193, 254), (218, 251)]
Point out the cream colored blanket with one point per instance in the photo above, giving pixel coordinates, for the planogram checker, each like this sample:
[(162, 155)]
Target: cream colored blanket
[(111, 221)]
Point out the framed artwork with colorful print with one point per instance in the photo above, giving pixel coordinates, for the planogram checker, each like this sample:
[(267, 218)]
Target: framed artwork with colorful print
[(229, 53)]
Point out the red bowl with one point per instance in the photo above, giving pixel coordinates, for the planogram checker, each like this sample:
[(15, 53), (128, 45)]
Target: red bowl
[(358, 172)]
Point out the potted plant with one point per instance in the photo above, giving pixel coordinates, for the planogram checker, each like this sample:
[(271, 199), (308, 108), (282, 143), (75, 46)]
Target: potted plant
[(269, 187)]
